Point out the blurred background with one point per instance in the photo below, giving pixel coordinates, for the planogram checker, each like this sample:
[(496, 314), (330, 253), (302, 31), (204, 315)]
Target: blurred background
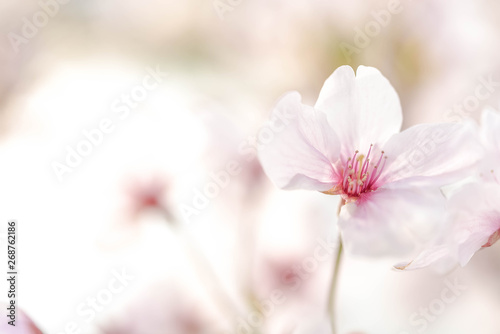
[(128, 139)]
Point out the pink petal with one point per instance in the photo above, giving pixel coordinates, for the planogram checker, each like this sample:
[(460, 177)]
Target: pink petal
[(301, 153), (363, 109), (23, 324), (431, 150), (490, 164)]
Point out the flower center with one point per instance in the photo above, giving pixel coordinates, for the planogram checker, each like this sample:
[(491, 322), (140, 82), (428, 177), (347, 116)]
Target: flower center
[(360, 174)]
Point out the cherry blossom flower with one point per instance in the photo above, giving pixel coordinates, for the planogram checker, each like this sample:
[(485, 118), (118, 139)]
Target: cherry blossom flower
[(162, 308), (350, 144), (473, 210), (150, 193)]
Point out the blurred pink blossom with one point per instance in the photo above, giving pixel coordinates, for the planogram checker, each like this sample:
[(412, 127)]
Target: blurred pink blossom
[(23, 324)]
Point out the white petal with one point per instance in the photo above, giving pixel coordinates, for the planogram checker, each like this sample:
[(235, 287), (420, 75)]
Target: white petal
[(392, 220), (363, 109), (489, 168), (301, 153), (431, 150), (428, 257)]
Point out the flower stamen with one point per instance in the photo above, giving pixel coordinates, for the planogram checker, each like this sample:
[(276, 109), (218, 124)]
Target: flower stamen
[(360, 174)]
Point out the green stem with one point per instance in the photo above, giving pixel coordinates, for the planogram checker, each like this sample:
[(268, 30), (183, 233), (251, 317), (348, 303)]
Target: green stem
[(333, 287), (335, 276)]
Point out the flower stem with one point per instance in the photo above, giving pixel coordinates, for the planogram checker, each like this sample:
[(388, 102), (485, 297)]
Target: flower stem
[(335, 276), (333, 287)]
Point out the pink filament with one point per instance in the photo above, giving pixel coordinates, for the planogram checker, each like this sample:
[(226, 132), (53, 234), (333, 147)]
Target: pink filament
[(361, 177)]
